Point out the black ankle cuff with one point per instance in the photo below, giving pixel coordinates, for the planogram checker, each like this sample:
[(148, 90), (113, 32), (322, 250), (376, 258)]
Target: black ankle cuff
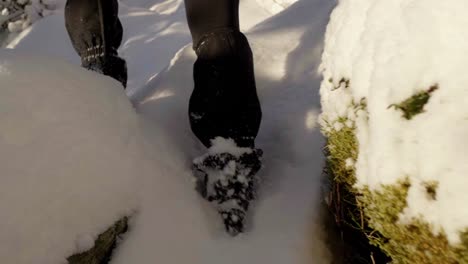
[(110, 65), (222, 39)]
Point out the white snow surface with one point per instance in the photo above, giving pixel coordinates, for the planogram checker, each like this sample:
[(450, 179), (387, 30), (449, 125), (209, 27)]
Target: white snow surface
[(173, 224), (275, 6), (390, 50)]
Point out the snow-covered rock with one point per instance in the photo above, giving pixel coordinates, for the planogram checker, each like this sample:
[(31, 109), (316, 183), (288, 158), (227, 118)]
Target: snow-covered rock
[(394, 74), (69, 149)]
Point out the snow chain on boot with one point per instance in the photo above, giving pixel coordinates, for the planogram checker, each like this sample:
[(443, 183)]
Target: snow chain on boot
[(229, 182)]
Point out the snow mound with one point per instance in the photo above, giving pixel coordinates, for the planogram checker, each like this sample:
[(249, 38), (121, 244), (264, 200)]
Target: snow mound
[(68, 154), (395, 70)]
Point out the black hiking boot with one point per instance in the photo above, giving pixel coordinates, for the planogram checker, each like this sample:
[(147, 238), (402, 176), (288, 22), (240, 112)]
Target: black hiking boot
[(224, 102), (224, 105), (96, 33)]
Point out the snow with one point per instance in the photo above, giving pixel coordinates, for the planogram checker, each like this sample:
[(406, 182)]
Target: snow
[(275, 6), (222, 145), (15, 26), (390, 50), (349, 163), (68, 151), (26, 12), (173, 224), (84, 242)]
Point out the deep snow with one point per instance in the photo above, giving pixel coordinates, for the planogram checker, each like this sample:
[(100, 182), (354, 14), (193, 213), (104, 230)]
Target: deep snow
[(173, 225)]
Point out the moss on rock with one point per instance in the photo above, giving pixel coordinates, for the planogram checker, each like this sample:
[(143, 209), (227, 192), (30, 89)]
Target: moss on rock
[(369, 219), (103, 247), (413, 242), (415, 104), (342, 197)]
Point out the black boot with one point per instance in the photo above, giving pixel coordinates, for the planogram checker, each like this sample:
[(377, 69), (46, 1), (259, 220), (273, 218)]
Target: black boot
[(225, 111), (224, 102), (96, 33)]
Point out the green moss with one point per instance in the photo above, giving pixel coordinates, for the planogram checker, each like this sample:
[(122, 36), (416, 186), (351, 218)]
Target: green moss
[(368, 219), (344, 82), (104, 245), (431, 189), (414, 242), (415, 104), (342, 198)]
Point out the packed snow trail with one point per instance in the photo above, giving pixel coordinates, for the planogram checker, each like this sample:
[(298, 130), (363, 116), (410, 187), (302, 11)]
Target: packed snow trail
[(283, 225), (174, 225)]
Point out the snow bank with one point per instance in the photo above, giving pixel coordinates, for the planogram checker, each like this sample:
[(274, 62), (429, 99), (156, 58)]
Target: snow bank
[(69, 151), (383, 59)]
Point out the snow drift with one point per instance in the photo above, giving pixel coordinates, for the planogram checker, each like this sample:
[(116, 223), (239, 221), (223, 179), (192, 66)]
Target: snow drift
[(394, 75)]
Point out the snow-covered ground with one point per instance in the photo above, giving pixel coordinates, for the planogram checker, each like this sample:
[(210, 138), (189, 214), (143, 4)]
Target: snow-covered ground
[(388, 51), (172, 224)]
